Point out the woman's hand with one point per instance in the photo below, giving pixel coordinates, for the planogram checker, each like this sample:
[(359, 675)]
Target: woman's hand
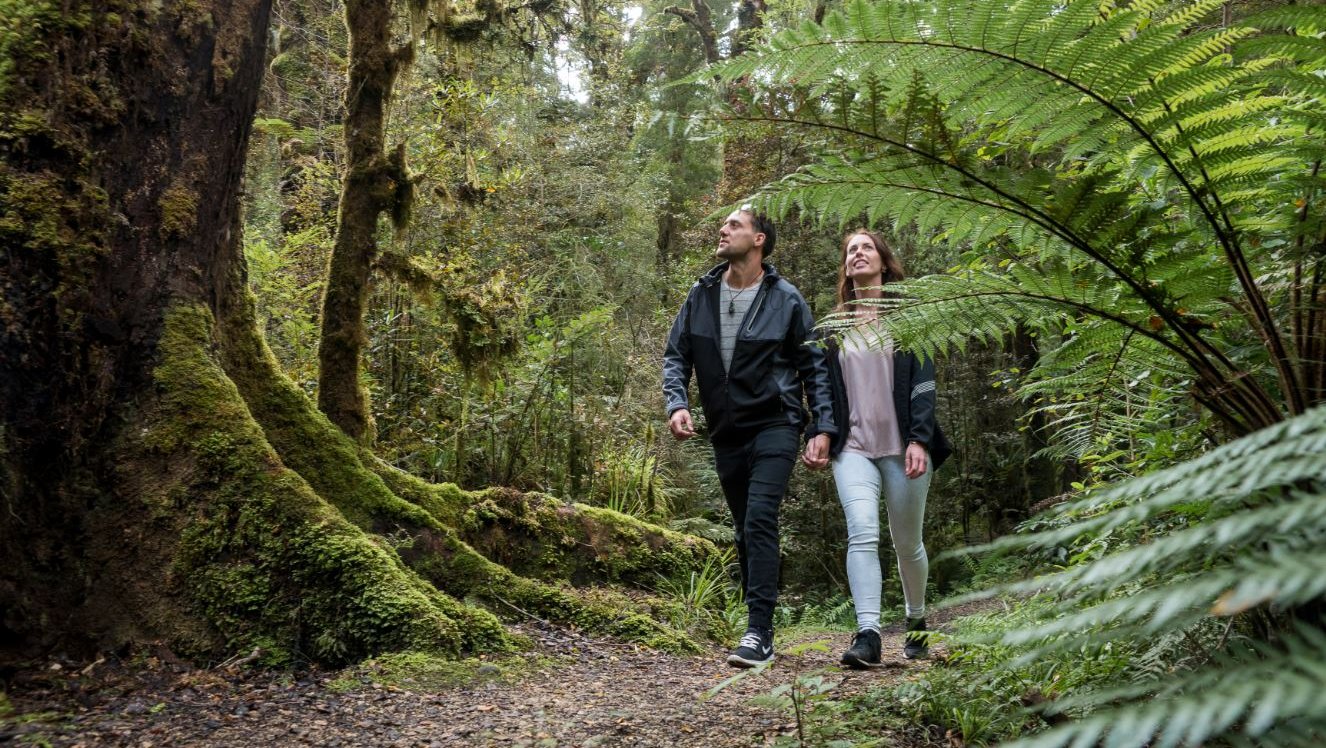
[(916, 460)]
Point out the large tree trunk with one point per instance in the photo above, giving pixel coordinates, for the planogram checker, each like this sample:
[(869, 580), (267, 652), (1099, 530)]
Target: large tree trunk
[(123, 145), (161, 480)]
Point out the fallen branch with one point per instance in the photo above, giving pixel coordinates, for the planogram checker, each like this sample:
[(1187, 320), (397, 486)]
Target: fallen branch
[(239, 662)]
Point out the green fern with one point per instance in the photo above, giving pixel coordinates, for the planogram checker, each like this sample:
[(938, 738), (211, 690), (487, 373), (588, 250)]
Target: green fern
[(1245, 529), (1138, 147), (1276, 695)]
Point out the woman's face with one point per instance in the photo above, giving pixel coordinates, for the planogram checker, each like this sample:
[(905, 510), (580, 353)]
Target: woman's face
[(863, 263)]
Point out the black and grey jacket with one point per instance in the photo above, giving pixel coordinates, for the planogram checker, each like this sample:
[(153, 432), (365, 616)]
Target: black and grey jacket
[(913, 402), (771, 363)]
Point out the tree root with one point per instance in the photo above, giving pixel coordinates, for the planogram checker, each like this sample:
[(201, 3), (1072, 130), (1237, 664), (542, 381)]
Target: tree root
[(292, 539)]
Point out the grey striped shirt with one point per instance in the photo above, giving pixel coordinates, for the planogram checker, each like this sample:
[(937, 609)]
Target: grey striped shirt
[(729, 323)]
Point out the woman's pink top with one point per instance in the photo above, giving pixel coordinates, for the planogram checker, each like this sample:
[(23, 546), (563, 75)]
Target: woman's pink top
[(866, 357)]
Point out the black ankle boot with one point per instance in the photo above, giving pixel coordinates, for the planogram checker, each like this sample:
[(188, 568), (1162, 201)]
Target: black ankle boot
[(864, 651), (916, 643)]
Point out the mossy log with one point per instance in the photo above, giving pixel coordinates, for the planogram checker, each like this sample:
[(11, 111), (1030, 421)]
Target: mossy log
[(161, 480)]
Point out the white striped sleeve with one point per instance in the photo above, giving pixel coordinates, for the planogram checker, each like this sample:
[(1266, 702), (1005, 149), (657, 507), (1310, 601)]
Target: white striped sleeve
[(923, 388)]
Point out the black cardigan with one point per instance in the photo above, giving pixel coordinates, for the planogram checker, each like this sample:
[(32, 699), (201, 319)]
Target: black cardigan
[(913, 402)]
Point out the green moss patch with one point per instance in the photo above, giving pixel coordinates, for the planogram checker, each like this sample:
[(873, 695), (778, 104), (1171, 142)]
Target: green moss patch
[(24, 25), (179, 211), (540, 536), (307, 442)]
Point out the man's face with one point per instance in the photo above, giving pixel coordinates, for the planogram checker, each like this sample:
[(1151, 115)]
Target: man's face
[(737, 236)]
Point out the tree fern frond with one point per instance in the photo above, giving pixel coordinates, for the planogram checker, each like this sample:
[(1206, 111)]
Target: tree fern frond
[(935, 312), (1248, 691), (1203, 542), (1184, 15), (1305, 48), (1290, 17), (1277, 457)]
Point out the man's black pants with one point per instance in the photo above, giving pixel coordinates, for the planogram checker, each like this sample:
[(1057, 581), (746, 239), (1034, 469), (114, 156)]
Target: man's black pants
[(754, 475)]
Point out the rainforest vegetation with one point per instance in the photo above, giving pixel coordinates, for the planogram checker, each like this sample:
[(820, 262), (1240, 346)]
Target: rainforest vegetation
[(332, 328)]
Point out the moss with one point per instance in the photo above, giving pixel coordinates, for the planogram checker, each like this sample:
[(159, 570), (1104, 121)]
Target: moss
[(469, 573), (541, 536), (179, 211), (23, 24), (261, 557), (508, 535), (60, 219), (465, 27), (446, 502), (307, 442), (45, 212)]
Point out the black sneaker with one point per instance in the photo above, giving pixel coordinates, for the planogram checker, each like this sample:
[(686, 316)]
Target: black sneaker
[(916, 642), (755, 649), (864, 652)]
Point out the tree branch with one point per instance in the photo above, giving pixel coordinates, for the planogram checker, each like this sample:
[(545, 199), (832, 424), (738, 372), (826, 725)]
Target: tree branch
[(699, 18)]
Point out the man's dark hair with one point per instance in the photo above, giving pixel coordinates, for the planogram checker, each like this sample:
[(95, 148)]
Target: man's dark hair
[(762, 225)]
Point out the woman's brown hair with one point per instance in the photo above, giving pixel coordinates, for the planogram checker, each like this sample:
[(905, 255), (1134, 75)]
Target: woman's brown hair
[(891, 266)]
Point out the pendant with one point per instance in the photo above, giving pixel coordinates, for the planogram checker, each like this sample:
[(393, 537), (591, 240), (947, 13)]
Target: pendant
[(731, 307)]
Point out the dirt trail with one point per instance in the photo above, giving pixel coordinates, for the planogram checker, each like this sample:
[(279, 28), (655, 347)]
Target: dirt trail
[(576, 691)]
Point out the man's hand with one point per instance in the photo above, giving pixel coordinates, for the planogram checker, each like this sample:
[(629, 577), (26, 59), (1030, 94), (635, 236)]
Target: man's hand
[(914, 463), (816, 455), (680, 425)]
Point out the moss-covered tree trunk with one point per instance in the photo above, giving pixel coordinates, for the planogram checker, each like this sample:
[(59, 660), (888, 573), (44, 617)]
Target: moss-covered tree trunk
[(160, 479), (373, 183), (123, 132)]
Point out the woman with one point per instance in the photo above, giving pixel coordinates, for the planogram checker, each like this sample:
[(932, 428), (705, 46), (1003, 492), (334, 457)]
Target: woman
[(885, 444)]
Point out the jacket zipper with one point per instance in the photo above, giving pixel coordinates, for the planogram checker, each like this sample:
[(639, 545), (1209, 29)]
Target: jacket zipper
[(754, 312)]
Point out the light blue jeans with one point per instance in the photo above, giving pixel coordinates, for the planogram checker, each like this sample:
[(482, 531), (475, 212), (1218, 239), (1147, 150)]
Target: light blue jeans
[(860, 481)]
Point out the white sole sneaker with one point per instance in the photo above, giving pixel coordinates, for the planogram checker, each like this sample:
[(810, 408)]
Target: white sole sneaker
[(736, 660)]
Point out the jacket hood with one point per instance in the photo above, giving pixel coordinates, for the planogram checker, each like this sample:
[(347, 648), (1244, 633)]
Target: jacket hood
[(716, 273)]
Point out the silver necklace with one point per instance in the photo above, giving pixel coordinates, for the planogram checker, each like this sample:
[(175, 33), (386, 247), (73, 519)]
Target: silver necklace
[(734, 296)]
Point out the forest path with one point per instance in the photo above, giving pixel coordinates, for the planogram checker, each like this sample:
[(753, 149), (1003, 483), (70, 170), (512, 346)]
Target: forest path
[(574, 691)]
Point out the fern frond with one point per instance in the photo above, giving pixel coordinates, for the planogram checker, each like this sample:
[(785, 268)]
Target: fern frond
[(1275, 458), (937, 314), (1247, 692)]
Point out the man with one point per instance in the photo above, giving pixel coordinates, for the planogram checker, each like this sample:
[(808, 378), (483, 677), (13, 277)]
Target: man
[(743, 332)]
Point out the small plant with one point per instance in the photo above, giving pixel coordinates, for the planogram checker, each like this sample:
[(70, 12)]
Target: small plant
[(834, 612), (706, 597), (632, 482), (799, 697)]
